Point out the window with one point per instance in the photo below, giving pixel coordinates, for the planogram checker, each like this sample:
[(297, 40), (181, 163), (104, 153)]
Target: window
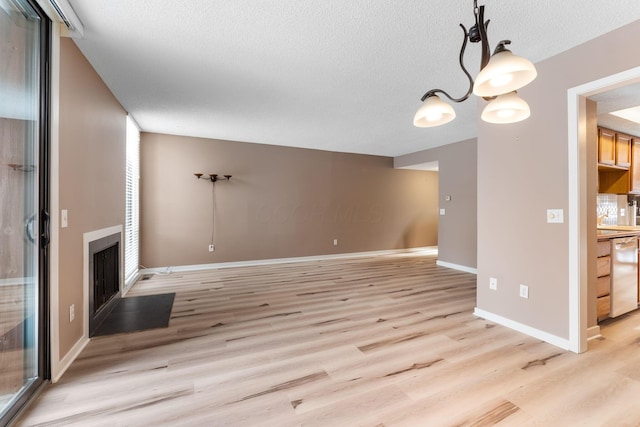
[(132, 203)]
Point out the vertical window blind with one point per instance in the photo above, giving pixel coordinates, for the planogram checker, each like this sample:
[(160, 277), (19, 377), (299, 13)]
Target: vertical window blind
[(132, 214)]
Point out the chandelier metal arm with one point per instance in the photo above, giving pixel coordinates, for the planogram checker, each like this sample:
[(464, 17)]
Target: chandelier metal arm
[(461, 58), (482, 28)]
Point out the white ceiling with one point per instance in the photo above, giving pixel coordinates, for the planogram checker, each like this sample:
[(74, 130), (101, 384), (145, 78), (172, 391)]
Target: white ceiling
[(615, 100), (340, 75)]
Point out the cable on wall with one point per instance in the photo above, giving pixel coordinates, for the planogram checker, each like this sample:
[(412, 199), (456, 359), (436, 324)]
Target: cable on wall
[(213, 178), (213, 217)]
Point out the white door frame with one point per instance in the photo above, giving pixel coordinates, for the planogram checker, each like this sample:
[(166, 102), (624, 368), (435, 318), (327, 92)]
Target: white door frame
[(577, 200)]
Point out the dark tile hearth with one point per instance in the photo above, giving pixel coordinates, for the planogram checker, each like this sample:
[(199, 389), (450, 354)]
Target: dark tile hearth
[(138, 314)]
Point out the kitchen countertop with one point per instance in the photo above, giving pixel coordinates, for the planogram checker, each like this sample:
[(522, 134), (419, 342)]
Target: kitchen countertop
[(613, 231)]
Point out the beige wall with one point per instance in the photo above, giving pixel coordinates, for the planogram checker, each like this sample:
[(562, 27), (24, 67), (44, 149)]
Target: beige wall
[(522, 171), (92, 138), (457, 229), (281, 202)]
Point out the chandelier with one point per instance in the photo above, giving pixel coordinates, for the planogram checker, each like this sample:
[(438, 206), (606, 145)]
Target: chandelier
[(501, 75)]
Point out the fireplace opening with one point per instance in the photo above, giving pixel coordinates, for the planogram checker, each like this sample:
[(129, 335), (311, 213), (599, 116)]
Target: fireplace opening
[(104, 279)]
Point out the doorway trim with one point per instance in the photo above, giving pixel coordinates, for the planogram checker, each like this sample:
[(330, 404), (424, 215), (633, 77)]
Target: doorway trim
[(576, 101)]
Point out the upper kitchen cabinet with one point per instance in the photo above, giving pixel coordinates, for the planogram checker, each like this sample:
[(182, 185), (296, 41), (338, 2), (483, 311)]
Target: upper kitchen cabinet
[(635, 166), (606, 147), (623, 150), (616, 153), (614, 149)]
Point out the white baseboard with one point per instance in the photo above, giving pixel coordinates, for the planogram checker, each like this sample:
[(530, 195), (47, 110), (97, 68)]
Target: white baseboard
[(427, 250), (457, 267), (593, 333), (58, 369), (528, 330)]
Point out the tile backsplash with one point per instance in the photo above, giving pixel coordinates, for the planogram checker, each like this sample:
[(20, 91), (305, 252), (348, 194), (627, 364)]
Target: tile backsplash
[(608, 206), (613, 206)]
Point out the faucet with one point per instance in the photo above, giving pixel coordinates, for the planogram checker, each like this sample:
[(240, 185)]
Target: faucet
[(601, 218)]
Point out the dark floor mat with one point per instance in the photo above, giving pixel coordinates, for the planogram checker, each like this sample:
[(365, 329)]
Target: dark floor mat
[(138, 314)]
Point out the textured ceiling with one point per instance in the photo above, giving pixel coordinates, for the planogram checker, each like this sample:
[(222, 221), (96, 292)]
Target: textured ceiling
[(340, 75), (614, 100)]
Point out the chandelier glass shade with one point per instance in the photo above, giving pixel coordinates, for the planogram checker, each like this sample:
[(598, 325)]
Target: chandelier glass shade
[(434, 112), (506, 108), (504, 73)]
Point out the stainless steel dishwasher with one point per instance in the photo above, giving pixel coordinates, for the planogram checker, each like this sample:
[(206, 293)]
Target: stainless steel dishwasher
[(624, 275)]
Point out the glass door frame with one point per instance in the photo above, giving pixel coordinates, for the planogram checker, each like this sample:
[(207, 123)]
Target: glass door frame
[(42, 337)]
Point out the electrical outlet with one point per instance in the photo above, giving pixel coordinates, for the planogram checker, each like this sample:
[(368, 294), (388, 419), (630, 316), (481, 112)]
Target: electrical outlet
[(212, 248), (72, 312), (493, 283), (442, 211), (524, 291), (335, 242)]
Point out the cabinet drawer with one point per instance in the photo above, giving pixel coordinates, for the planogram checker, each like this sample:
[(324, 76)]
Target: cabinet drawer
[(603, 266), (604, 248), (603, 286), (604, 306)]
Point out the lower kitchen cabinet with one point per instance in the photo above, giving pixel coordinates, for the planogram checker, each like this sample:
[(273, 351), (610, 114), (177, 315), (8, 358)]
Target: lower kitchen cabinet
[(603, 287), (604, 307)]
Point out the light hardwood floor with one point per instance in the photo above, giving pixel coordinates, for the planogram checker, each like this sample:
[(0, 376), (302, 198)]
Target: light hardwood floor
[(377, 341)]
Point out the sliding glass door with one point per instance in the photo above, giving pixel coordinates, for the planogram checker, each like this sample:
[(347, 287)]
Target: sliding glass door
[(24, 39)]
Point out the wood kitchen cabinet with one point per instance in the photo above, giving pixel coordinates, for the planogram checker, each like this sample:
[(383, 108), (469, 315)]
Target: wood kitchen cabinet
[(606, 147), (613, 181), (634, 179), (603, 286), (614, 148), (618, 162), (623, 150)]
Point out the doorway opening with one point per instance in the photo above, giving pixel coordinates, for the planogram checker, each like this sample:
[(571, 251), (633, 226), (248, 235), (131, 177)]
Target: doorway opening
[(425, 231), (580, 218)]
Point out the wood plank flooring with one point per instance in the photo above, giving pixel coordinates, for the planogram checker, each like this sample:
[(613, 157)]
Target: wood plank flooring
[(14, 308), (377, 341)]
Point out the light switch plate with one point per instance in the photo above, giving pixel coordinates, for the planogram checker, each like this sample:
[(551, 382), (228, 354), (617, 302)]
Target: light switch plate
[(555, 215), (64, 219), (441, 211)]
